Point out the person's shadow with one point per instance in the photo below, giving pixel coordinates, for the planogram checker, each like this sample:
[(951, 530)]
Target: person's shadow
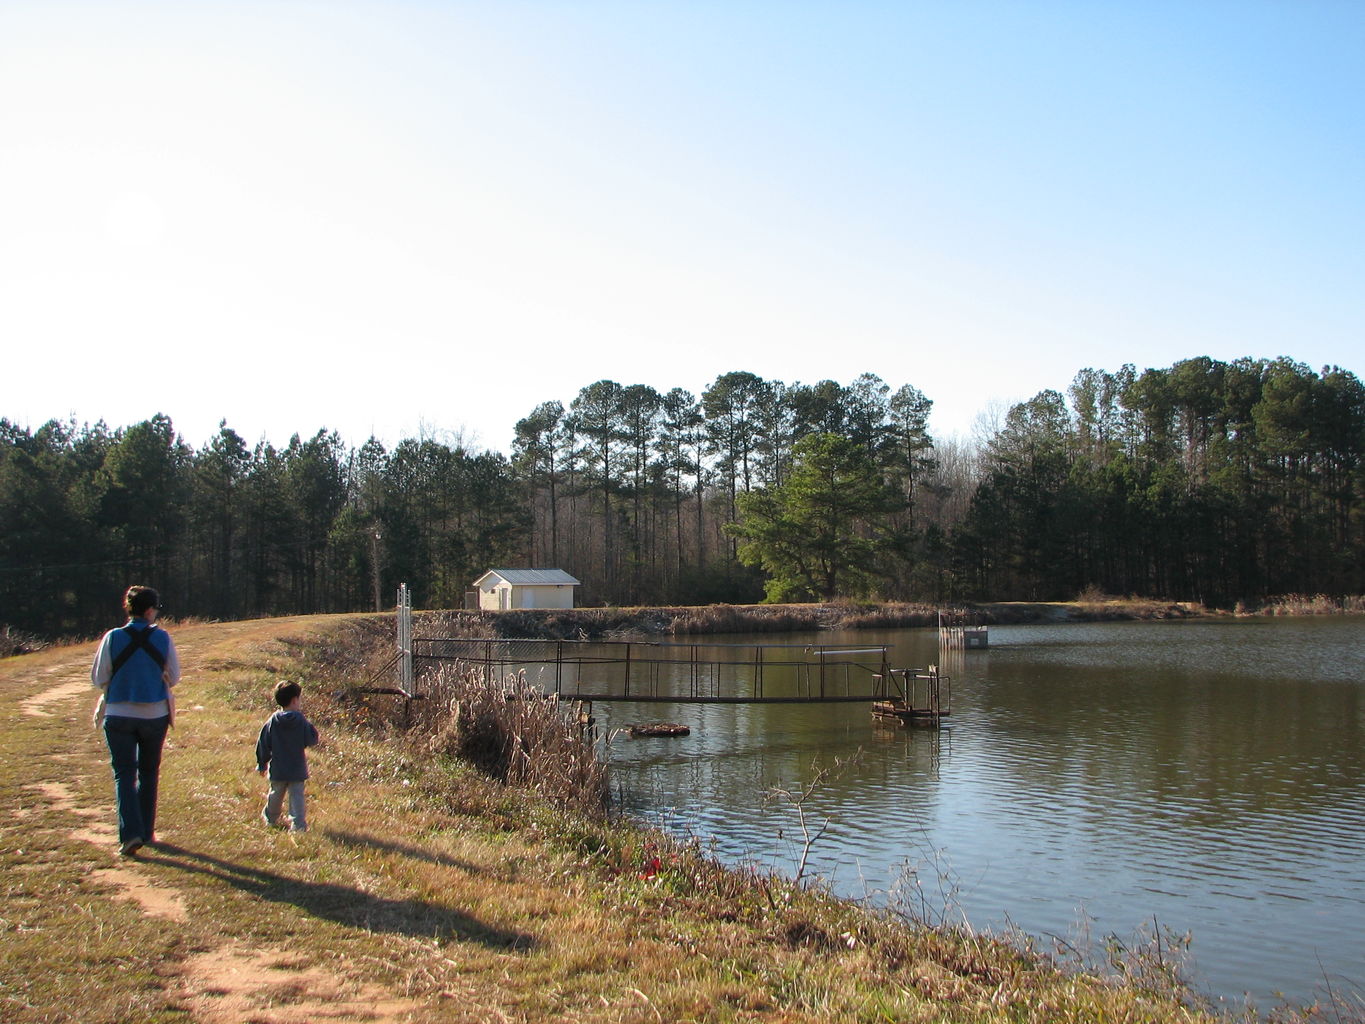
[(345, 904), (357, 839)]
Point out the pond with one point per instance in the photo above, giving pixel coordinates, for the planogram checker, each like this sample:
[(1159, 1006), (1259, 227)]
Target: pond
[(1203, 777)]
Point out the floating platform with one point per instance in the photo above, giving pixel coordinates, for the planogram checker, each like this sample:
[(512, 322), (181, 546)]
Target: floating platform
[(915, 697), (658, 729), (904, 713)]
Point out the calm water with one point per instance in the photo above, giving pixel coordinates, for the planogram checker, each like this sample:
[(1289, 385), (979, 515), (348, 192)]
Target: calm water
[(1095, 777)]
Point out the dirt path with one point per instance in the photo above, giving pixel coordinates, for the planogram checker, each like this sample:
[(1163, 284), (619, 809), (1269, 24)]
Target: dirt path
[(231, 982)]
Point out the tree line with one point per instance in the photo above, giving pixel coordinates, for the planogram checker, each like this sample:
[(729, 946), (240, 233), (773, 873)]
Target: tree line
[(1209, 481)]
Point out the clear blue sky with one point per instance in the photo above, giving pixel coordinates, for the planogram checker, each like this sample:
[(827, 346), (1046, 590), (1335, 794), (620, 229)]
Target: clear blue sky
[(407, 218)]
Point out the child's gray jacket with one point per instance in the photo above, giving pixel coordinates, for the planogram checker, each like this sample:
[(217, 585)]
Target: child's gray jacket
[(281, 745)]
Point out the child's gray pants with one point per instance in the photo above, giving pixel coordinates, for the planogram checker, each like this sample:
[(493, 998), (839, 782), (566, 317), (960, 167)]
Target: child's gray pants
[(274, 802)]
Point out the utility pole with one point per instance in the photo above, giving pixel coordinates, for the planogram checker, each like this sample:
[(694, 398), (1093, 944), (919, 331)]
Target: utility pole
[(375, 538)]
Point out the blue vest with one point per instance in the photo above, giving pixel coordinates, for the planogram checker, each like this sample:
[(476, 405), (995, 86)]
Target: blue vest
[(138, 679)]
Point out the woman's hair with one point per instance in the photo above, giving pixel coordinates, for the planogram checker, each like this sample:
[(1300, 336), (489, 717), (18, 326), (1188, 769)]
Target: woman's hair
[(139, 599)]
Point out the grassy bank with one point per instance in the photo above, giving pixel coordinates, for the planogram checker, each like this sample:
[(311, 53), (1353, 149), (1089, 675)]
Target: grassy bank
[(426, 890), (664, 622), (720, 619)]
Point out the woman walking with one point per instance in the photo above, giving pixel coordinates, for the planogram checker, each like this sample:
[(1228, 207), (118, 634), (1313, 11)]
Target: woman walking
[(136, 667)]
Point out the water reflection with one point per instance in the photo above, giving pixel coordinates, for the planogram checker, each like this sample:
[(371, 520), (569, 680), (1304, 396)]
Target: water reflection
[(1207, 774)]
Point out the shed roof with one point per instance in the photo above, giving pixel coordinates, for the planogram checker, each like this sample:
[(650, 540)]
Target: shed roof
[(532, 577)]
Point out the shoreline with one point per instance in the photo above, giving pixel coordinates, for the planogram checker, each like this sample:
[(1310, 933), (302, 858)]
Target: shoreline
[(656, 623), (661, 621)]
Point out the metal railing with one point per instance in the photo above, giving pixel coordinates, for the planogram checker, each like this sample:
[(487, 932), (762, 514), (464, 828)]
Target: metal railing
[(634, 670)]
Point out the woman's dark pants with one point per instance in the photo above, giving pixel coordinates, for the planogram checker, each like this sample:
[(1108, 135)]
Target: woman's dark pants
[(135, 753)]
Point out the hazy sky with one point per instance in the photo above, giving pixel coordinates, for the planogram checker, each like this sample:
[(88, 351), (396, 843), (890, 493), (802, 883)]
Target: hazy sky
[(407, 218)]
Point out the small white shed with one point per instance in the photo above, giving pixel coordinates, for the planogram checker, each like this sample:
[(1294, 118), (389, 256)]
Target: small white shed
[(501, 589)]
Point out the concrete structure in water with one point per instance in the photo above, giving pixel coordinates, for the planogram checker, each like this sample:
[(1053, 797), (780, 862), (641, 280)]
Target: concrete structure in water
[(960, 629), (504, 589)]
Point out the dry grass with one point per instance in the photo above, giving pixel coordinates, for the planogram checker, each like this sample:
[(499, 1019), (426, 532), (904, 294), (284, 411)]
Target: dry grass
[(513, 733), (1317, 604), (426, 890), (1093, 605), (629, 623), (720, 619), (15, 641)]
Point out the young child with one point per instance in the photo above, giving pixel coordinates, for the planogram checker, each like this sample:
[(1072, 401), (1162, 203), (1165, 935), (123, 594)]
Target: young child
[(281, 746)]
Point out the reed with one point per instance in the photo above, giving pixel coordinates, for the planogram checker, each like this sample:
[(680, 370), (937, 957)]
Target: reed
[(510, 731), (1315, 604), (730, 618), (888, 616), (1093, 605)]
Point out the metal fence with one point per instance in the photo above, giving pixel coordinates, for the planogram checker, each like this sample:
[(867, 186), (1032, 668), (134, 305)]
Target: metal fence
[(632, 670)]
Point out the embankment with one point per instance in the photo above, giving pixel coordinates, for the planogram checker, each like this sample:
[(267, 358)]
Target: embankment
[(660, 622)]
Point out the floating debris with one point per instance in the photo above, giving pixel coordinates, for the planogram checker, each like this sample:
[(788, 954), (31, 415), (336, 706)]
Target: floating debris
[(659, 729)]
